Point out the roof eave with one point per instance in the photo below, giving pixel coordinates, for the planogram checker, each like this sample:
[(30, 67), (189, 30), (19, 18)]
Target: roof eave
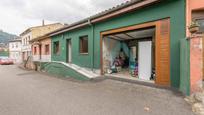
[(39, 38), (26, 31)]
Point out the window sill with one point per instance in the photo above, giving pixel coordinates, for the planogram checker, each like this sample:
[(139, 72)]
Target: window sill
[(84, 53)]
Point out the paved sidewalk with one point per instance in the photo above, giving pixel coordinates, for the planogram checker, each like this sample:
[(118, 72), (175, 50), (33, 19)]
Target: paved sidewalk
[(31, 93)]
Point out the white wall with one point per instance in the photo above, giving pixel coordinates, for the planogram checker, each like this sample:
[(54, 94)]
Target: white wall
[(26, 46), (15, 56), (15, 51), (44, 58), (15, 46)]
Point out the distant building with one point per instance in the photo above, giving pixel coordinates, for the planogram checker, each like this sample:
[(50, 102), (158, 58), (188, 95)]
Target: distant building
[(15, 50), (4, 49), (3, 46), (34, 32), (41, 49)]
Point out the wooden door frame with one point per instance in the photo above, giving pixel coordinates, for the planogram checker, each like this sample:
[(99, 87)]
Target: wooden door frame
[(155, 24)]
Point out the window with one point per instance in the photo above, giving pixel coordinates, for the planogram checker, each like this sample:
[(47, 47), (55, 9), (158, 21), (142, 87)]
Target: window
[(25, 40), (35, 50), (28, 39), (198, 16), (16, 45), (83, 45), (47, 49), (201, 24), (56, 47)]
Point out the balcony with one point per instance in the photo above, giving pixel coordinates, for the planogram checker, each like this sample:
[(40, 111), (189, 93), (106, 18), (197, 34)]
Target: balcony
[(42, 58)]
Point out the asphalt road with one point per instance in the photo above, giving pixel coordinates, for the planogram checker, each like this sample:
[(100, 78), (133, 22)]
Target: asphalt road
[(31, 93)]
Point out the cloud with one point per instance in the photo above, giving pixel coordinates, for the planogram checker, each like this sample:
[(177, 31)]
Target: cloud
[(104, 4), (17, 15)]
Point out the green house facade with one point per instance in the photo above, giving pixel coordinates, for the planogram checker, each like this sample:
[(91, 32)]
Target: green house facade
[(92, 28)]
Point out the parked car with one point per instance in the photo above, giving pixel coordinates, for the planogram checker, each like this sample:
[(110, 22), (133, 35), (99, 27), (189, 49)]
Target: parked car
[(6, 61)]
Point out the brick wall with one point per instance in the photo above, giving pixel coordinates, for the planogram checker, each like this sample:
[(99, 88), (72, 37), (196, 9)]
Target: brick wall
[(196, 63)]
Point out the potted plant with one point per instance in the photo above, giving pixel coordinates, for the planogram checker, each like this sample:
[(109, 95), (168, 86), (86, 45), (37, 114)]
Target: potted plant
[(194, 27)]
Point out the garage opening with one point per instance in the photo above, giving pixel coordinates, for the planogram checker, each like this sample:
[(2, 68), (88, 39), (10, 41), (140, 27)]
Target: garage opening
[(130, 54), (141, 51)]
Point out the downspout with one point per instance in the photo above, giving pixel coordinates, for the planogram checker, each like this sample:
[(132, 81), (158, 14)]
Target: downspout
[(92, 57)]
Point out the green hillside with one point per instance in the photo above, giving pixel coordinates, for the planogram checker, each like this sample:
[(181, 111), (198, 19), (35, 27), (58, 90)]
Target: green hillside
[(6, 37)]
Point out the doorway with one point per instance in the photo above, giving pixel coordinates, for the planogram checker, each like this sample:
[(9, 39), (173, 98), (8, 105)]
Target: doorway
[(69, 51), (40, 51), (130, 54), (160, 52)]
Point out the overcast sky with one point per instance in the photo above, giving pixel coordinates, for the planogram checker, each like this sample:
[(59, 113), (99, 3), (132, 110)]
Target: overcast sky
[(17, 15)]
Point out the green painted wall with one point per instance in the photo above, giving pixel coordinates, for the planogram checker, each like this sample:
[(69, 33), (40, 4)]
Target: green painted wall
[(61, 70), (185, 66), (77, 58), (175, 9)]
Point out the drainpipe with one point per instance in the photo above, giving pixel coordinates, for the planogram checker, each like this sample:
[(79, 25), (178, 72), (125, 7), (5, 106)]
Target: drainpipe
[(92, 57)]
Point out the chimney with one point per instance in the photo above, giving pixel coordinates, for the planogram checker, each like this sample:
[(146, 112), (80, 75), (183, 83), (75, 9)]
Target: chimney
[(43, 22)]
